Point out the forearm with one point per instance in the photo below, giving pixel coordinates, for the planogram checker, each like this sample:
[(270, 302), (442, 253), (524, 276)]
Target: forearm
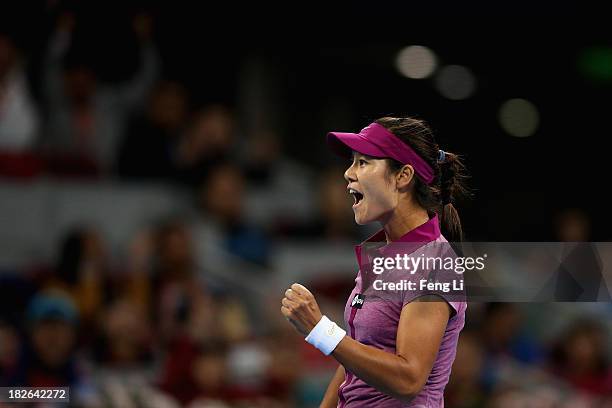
[(390, 373), (57, 48), (330, 399), (135, 91), (401, 374)]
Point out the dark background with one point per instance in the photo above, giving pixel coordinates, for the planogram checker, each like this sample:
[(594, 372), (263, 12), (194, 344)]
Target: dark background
[(166, 284), (341, 59)]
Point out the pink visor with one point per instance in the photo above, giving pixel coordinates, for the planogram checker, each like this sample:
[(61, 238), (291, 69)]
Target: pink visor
[(376, 141)]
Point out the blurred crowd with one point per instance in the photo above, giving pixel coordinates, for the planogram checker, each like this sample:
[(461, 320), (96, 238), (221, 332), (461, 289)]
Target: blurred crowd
[(148, 326)]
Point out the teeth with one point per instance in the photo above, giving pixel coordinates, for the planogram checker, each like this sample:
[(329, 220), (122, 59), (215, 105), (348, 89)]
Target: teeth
[(357, 196)]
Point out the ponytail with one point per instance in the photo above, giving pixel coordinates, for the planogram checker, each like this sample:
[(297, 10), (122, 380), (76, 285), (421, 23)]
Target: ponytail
[(440, 196), (452, 175)]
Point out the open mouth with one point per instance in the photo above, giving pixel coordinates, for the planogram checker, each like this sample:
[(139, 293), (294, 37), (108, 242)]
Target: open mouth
[(357, 196)]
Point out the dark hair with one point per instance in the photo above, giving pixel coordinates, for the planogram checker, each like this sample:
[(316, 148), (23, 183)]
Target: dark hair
[(71, 256), (448, 184), (595, 331)]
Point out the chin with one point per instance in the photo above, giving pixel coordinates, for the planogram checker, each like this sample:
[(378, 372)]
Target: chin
[(373, 216), (361, 220)]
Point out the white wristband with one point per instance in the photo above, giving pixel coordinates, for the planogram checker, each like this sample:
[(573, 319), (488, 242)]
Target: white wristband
[(325, 335)]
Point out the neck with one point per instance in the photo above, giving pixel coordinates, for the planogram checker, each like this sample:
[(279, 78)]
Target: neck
[(403, 220)]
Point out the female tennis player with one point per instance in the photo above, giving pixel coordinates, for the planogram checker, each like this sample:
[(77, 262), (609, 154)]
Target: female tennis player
[(398, 353)]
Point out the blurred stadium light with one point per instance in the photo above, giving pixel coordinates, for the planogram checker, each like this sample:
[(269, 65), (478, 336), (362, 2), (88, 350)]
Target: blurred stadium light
[(455, 82), (519, 117), (416, 62)]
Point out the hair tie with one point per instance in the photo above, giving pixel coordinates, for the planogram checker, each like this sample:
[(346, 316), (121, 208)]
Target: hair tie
[(441, 156)]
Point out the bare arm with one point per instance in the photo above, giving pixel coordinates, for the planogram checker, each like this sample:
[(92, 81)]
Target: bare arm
[(401, 375), (56, 50), (330, 399), (134, 93)]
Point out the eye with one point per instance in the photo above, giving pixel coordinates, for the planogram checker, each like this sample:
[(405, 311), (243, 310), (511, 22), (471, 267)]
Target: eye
[(362, 162)]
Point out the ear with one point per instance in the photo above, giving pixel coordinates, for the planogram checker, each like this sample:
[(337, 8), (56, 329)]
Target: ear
[(404, 177)]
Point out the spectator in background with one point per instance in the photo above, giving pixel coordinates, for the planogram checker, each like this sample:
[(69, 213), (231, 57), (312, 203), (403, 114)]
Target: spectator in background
[(198, 372), (9, 352), (284, 204), (172, 287), (208, 141), (266, 165), (464, 389), (503, 336), (506, 345), (123, 357), (581, 357), (192, 312), (220, 372), (82, 272), (16, 290), (185, 303), (149, 148), (125, 343), (85, 119), (222, 198), (262, 156), (19, 120), (48, 359), (334, 218), (282, 378)]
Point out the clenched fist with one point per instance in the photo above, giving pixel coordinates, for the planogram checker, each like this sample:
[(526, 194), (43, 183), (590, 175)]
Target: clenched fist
[(300, 308)]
